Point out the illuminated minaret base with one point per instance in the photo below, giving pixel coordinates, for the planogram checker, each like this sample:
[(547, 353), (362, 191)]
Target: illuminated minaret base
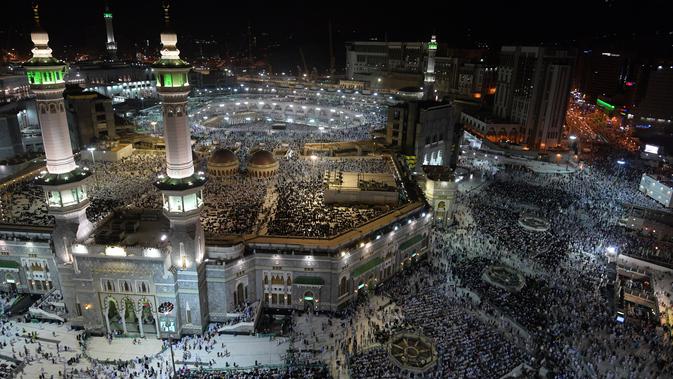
[(429, 80), (64, 183), (111, 45), (181, 189)]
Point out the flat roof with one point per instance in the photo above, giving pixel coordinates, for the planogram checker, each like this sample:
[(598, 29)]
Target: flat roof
[(132, 227)]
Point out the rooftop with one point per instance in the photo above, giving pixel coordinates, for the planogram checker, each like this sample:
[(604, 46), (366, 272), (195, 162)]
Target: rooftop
[(132, 227)]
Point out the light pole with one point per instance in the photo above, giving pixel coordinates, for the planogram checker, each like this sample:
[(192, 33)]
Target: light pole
[(170, 343), (93, 163), (154, 126)]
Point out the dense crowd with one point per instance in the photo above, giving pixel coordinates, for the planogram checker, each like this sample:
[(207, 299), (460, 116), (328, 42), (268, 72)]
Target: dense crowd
[(301, 208)]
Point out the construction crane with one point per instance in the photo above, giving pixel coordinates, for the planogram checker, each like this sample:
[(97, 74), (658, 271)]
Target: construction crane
[(303, 60), (331, 51)]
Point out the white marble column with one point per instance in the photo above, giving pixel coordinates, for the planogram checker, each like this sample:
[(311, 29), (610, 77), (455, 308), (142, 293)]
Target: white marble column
[(139, 315), (106, 309), (156, 323), (122, 308)]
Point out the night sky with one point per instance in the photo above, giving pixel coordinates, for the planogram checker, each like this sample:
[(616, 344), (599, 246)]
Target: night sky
[(281, 27)]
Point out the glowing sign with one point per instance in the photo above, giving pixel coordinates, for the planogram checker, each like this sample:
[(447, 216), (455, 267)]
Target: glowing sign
[(115, 251), (605, 105), (652, 149)]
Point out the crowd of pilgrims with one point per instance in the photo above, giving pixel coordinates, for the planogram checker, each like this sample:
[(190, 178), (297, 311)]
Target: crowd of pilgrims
[(113, 184), (23, 203), (467, 343), (301, 209), (129, 181), (291, 202), (563, 304), (291, 372), (562, 310)]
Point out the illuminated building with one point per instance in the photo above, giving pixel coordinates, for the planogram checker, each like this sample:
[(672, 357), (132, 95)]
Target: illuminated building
[(426, 130), (532, 90), (657, 187)]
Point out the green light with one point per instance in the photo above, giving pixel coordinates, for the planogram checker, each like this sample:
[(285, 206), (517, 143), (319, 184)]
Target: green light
[(432, 45), (44, 77), (172, 79), (308, 298), (605, 105), (107, 15)]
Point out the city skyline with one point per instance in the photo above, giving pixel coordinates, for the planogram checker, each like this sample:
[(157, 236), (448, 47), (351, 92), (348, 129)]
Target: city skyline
[(280, 30)]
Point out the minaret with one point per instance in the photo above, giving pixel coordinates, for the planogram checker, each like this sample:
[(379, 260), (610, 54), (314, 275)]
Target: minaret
[(111, 45), (181, 188), (64, 183), (429, 81)]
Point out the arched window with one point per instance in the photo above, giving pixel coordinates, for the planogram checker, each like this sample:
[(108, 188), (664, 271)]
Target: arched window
[(127, 288), (343, 286)]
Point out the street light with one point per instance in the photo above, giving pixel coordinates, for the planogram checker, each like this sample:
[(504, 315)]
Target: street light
[(93, 162), (621, 162), (166, 311), (154, 126), (572, 138)]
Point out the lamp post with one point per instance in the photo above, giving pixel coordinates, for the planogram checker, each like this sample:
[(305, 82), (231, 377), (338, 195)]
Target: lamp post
[(170, 341), (93, 163), (154, 126)]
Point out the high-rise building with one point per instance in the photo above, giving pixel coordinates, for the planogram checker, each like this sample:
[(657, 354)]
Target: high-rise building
[(90, 117), (533, 87), (386, 64), (11, 144), (426, 130), (656, 106), (602, 75)]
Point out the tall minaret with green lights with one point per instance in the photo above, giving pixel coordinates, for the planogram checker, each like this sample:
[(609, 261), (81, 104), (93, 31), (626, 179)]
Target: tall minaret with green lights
[(111, 45), (181, 187), (429, 81), (64, 183)]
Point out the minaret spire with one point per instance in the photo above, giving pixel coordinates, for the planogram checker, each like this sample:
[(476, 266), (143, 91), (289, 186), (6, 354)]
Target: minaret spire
[(167, 16), (36, 15), (429, 81), (110, 45)]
